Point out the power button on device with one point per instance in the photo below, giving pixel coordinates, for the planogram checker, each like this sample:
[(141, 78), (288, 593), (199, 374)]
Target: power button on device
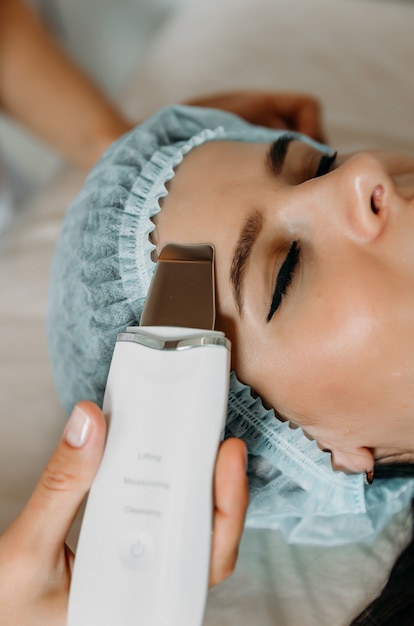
[(137, 549)]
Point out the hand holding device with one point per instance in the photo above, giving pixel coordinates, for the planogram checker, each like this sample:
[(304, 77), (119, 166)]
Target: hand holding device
[(35, 564), (144, 550)]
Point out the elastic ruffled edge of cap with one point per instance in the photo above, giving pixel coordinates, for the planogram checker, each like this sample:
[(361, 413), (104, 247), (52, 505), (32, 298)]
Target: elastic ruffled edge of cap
[(135, 247), (290, 450)]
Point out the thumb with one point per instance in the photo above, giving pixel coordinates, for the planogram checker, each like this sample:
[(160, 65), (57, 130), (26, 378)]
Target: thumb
[(49, 514), (231, 496)]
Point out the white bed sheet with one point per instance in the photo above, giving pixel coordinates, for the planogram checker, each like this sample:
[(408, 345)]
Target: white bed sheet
[(358, 57)]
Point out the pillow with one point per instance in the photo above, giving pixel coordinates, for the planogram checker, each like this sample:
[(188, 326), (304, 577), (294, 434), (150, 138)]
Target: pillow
[(354, 55)]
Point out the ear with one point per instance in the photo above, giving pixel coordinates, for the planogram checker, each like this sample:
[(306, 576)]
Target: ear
[(353, 461)]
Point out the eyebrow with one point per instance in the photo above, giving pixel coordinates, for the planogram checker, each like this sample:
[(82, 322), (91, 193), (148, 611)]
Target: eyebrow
[(275, 159), (277, 152), (248, 235)]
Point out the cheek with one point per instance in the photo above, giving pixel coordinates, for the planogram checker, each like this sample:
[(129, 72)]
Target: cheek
[(338, 360)]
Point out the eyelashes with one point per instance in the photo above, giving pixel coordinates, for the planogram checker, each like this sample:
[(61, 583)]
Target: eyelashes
[(284, 278), (325, 164)]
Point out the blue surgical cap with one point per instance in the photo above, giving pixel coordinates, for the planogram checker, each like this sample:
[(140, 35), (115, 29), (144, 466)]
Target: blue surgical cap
[(100, 278)]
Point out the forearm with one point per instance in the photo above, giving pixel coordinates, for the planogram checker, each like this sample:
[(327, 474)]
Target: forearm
[(44, 90)]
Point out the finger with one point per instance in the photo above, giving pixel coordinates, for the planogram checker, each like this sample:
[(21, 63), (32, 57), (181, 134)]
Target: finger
[(231, 495), (308, 118), (300, 112), (276, 122), (45, 521)]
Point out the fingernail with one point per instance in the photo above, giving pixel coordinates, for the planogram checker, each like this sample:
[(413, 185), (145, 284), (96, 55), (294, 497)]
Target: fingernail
[(369, 477), (77, 429)]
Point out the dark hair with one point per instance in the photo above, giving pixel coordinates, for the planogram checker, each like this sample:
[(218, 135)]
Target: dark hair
[(395, 605)]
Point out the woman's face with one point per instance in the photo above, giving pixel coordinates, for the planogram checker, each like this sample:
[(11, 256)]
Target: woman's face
[(314, 284)]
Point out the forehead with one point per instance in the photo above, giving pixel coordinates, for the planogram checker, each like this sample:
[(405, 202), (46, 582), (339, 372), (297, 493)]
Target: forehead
[(213, 188), (219, 162)]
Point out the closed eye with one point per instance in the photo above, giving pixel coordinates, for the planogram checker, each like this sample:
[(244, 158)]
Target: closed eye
[(325, 164), (284, 278)]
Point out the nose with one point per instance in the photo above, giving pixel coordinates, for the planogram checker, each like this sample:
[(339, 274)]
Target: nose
[(363, 190)]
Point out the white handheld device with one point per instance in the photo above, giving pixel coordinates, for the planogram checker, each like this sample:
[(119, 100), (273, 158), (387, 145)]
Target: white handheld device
[(144, 550)]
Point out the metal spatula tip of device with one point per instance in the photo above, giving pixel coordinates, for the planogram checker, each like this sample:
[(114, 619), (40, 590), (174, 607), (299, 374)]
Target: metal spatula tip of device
[(182, 291)]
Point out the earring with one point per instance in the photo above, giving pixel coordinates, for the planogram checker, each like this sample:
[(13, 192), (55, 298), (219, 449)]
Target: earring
[(369, 477)]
